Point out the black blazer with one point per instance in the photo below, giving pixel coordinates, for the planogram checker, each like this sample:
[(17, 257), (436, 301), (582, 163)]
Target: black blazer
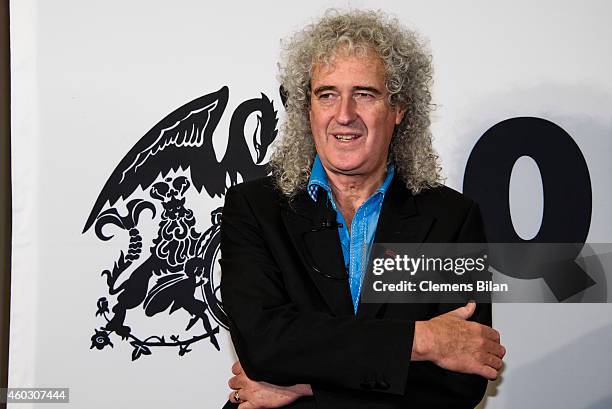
[(290, 323)]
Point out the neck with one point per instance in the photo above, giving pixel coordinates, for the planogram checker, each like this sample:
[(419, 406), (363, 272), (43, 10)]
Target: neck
[(350, 191)]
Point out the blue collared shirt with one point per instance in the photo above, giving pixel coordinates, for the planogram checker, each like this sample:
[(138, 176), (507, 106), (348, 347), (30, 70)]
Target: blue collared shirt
[(356, 246)]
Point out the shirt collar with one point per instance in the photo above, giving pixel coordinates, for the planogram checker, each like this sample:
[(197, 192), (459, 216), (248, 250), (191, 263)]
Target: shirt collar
[(318, 179)]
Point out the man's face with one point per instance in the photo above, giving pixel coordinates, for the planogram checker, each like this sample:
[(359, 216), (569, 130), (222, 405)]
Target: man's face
[(350, 118)]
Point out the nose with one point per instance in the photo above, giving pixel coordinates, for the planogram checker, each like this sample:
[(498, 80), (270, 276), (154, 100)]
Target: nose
[(346, 112)]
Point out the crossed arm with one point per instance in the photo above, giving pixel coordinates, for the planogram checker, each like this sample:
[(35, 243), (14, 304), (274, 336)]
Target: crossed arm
[(448, 340), (261, 310)]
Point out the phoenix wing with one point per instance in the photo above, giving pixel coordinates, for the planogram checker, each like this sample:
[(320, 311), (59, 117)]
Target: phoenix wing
[(183, 139)]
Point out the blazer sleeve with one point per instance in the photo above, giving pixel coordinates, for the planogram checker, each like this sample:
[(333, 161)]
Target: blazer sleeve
[(472, 231), (279, 343), (469, 389)]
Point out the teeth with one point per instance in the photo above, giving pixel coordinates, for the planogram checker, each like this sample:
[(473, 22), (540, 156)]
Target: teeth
[(345, 137)]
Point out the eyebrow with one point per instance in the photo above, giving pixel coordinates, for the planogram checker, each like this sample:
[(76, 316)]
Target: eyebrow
[(324, 88), (365, 88)]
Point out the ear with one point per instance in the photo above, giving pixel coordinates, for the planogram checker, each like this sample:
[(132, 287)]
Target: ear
[(399, 114)]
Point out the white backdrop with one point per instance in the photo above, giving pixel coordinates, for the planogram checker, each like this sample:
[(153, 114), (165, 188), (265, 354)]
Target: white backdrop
[(90, 78)]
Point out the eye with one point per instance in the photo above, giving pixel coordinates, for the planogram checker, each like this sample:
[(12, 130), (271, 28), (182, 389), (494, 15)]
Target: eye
[(364, 96), (327, 96)]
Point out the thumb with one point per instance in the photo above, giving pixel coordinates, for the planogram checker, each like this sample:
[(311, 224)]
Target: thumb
[(464, 312)]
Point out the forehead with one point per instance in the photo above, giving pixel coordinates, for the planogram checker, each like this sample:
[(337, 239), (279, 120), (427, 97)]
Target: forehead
[(358, 66)]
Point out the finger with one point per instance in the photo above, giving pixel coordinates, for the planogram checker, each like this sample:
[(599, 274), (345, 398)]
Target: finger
[(490, 333), (237, 368), (488, 372), (245, 396), (236, 382), (494, 348), (464, 312), (232, 397), (247, 405), (479, 367), (493, 361)]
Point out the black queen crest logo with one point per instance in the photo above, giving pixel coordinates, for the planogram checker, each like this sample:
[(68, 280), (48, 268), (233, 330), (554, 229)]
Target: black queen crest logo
[(177, 271)]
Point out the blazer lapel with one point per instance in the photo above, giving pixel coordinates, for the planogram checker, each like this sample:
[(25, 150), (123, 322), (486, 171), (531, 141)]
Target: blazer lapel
[(399, 222), (319, 248)]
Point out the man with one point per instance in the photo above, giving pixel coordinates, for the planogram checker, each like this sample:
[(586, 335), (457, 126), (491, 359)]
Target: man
[(355, 166)]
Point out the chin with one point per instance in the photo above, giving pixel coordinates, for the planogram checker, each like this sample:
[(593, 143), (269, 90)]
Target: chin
[(346, 162), (348, 168)]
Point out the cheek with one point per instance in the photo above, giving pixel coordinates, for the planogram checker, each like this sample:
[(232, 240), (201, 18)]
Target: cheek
[(390, 124), (381, 124), (382, 129), (319, 123)]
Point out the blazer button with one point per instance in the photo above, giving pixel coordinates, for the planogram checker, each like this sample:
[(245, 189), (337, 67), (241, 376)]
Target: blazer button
[(383, 385)]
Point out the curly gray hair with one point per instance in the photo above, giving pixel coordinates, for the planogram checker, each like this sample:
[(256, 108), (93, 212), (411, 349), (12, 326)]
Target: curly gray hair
[(408, 76)]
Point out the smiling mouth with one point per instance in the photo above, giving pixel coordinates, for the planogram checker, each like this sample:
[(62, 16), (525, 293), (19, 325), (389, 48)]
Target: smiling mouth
[(346, 138)]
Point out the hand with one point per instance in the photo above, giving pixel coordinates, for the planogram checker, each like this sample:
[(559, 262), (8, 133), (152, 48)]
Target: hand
[(255, 395), (453, 343)]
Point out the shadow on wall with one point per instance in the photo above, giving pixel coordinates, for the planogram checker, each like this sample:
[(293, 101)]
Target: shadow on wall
[(563, 378), (493, 389), (579, 374), (605, 403)]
